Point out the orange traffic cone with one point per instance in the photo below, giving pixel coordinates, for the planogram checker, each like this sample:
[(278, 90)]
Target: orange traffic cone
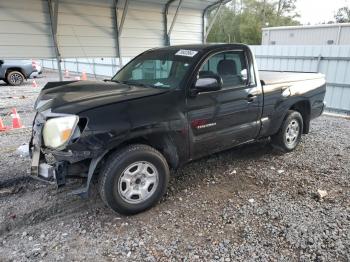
[(34, 84), (2, 126), (66, 74), (83, 75), (16, 121)]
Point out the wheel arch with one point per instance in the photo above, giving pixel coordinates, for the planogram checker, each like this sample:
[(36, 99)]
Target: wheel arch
[(304, 108), (275, 123), (162, 142), (14, 68)]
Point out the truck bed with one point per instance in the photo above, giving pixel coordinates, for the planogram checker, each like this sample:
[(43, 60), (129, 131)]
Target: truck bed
[(276, 77)]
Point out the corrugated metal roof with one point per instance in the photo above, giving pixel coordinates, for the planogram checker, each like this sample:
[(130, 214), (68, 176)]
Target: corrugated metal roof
[(86, 28)]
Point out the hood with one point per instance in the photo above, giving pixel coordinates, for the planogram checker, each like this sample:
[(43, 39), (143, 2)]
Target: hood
[(74, 97)]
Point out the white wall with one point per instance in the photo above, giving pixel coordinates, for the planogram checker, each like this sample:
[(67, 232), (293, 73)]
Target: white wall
[(25, 29), (86, 28), (339, 34), (332, 61), (144, 25)]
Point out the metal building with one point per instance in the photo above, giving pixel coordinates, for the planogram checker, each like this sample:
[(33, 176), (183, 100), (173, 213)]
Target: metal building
[(327, 34), (331, 60), (66, 29), (319, 48)]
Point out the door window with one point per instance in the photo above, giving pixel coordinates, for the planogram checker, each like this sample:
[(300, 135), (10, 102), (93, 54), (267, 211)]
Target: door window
[(231, 66)]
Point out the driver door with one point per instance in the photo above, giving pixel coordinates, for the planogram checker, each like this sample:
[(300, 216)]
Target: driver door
[(227, 117)]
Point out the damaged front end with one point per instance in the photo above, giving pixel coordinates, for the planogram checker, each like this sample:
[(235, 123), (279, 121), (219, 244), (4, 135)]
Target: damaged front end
[(60, 149)]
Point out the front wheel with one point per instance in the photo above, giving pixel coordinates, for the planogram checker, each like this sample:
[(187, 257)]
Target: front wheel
[(14, 78), (289, 135), (133, 179)]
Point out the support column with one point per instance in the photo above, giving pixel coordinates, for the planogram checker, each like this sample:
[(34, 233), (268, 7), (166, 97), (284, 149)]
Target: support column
[(120, 28), (53, 12), (125, 11), (117, 42), (205, 31), (168, 33), (165, 18)]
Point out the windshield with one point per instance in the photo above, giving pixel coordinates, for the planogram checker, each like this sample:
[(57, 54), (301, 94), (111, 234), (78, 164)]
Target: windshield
[(158, 69)]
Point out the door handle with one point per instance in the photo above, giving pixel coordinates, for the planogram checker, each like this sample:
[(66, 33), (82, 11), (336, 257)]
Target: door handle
[(251, 98)]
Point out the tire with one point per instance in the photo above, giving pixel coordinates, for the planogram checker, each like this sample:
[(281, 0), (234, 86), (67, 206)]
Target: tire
[(124, 178), (14, 78), (289, 135)]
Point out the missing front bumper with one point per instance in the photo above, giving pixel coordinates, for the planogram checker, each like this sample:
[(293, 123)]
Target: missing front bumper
[(60, 170), (47, 172)]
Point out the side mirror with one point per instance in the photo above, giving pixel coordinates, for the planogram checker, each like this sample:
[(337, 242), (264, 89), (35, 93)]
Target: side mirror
[(207, 84), (1, 62), (244, 75)]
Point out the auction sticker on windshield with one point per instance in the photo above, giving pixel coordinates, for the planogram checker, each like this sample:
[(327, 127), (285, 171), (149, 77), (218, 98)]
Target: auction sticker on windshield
[(189, 53)]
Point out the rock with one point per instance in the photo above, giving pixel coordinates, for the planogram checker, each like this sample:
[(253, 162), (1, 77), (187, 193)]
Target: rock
[(23, 150), (251, 200), (322, 193), (6, 191), (280, 171)]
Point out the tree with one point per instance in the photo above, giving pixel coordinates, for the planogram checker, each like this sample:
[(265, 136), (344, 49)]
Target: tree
[(285, 7), (343, 15), (242, 20)]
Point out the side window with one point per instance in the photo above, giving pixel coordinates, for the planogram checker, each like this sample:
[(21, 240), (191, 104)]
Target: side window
[(231, 66)]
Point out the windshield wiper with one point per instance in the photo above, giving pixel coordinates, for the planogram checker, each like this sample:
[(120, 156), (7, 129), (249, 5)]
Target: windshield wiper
[(135, 83), (111, 80)]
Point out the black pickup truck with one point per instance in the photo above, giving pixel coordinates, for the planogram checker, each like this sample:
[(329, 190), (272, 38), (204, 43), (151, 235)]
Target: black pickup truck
[(163, 109)]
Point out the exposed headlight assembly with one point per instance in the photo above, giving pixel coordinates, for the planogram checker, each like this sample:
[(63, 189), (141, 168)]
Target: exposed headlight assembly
[(58, 131)]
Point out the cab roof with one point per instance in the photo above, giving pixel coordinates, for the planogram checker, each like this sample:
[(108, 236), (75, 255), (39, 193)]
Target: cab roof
[(201, 47)]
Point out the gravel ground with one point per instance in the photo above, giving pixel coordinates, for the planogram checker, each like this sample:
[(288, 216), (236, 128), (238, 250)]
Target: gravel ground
[(248, 203)]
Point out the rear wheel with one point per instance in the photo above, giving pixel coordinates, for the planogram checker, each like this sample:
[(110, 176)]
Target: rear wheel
[(14, 78), (134, 179), (289, 135)]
